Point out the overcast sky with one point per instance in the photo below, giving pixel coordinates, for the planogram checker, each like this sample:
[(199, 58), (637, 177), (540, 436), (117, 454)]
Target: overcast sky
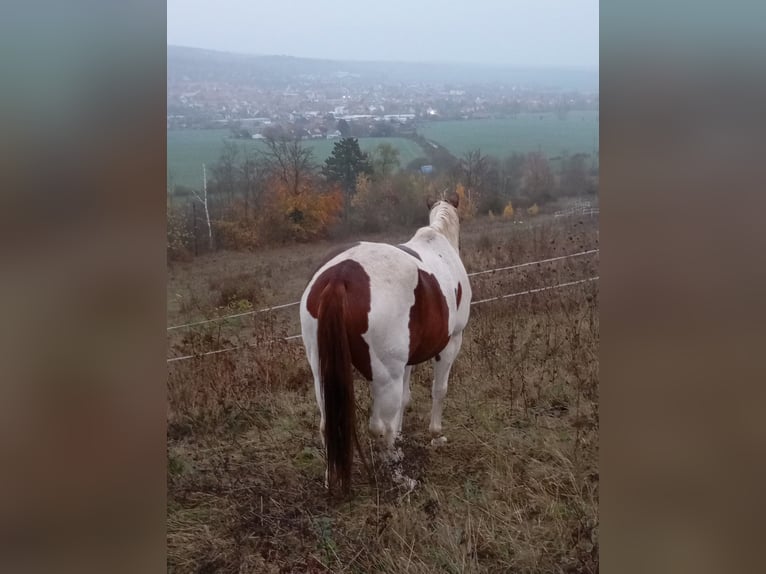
[(513, 32)]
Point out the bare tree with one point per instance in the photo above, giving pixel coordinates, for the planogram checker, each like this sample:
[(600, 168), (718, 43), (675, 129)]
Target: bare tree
[(538, 181), (574, 175), (490, 198), (251, 175), (511, 175), (385, 160), (474, 171), (225, 170), (203, 201), (289, 161)]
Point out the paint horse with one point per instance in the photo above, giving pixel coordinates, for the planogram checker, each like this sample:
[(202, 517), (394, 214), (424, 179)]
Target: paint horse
[(384, 308)]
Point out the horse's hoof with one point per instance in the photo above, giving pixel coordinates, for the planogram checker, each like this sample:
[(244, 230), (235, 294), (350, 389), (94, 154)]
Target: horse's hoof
[(397, 456), (440, 441), (404, 481), (392, 457)]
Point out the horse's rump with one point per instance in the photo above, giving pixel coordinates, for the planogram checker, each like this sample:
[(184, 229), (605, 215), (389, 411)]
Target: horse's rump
[(356, 283), (395, 299)]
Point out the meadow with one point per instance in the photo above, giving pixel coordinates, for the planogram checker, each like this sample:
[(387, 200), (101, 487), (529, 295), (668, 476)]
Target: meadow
[(577, 132), (515, 489), (189, 149)]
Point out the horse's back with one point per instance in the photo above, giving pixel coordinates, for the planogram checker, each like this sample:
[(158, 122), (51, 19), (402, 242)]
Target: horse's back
[(405, 298), (384, 266)]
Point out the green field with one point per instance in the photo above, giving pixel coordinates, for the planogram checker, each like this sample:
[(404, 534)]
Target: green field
[(578, 132), (189, 149)]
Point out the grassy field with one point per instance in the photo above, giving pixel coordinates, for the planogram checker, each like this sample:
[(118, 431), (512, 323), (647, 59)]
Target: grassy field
[(189, 149), (515, 489), (524, 133), (578, 132)]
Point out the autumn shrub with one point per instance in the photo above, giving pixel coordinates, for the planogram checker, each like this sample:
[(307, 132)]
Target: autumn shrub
[(508, 211), (304, 214), (390, 203), (365, 208), (410, 206), (179, 236), (237, 234), (538, 183), (466, 207), (237, 289)]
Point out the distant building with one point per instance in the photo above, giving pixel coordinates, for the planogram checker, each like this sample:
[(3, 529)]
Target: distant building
[(426, 169), (401, 118), (357, 117)]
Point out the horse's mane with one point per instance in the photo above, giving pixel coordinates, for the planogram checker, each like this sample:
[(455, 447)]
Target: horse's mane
[(444, 219)]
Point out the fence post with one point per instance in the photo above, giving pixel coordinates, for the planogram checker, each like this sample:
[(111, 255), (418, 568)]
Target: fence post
[(194, 227)]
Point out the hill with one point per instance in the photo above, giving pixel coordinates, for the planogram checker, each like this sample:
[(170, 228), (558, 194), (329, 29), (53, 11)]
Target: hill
[(199, 65)]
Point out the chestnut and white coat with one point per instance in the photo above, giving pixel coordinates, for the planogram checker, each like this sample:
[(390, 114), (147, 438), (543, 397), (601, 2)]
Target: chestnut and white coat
[(384, 308)]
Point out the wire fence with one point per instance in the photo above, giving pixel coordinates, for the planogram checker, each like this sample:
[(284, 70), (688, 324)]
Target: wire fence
[(520, 265), (286, 305), (582, 210), (293, 337), (227, 317)]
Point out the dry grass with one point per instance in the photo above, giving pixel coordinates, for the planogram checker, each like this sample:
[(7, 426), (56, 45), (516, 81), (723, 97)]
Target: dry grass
[(514, 490)]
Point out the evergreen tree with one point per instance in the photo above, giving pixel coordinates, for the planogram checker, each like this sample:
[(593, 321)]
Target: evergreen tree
[(345, 164)]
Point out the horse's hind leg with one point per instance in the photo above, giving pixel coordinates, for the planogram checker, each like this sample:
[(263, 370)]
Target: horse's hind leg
[(386, 412), (314, 363), (385, 421), (442, 367), (313, 358), (405, 397)]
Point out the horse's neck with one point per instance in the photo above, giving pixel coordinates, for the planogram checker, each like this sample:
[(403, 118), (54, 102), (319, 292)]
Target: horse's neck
[(448, 231)]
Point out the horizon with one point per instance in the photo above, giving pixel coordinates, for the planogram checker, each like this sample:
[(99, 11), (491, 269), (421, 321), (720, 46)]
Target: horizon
[(518, 33), (489, 65)]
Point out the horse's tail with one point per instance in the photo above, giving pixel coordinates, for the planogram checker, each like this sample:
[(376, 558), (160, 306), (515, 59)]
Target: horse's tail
[(337, 383)]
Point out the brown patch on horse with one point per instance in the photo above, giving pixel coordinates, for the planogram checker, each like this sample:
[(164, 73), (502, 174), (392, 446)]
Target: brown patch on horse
[(429, 317), (458, 294), (356, 282), (438, 357), (409, 251)]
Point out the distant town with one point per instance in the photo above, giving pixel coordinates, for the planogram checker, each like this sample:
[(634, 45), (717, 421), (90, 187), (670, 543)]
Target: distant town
[(330, 102)]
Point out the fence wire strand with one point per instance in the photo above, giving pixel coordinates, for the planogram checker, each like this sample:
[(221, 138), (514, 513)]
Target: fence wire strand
[(292, 337), (284, 306)]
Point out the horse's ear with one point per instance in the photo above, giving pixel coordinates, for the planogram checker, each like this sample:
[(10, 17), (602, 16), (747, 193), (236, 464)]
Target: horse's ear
[(454, 200), (430, 202)]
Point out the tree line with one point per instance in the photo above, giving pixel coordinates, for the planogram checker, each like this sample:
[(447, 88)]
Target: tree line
[(281, 194)]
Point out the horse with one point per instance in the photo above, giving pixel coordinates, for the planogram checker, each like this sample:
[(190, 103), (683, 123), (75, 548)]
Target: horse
[(384, 308)]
